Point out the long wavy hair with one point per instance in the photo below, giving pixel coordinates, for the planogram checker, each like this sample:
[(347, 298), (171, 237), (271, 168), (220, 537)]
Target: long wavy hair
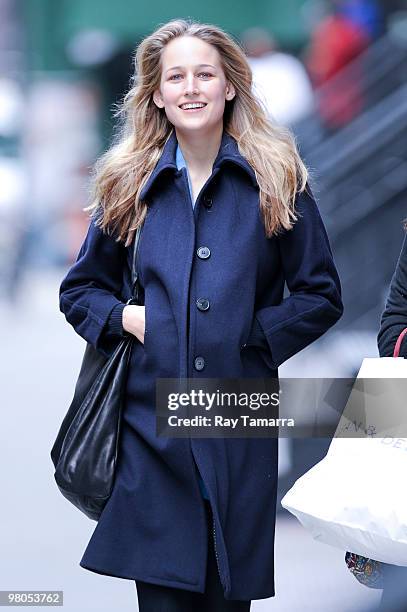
[(122, 171)]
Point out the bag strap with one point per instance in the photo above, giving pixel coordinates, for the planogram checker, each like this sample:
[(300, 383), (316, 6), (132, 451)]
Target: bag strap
[(398, 343), (134, 272)]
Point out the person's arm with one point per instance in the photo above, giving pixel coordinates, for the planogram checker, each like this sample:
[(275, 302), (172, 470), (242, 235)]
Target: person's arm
[(394, 317), (314, 303), (90, 293)]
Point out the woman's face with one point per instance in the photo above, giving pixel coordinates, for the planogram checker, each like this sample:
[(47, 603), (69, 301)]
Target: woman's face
[(191, 72)]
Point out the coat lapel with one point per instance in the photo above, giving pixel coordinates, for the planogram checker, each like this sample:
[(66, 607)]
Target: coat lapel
[(228, 153)]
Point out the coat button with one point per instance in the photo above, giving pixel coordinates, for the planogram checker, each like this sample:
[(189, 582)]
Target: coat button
[(203, 252), (199, 363), (202, 304), (207, 202)]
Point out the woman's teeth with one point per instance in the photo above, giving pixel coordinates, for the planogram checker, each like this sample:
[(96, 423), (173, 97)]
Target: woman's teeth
[(192, 105)]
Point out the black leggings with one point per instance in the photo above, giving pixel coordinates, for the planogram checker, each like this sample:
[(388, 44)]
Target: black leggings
[(157, 598)]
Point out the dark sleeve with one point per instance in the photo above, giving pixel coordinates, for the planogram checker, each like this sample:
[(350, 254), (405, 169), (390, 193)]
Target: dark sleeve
[(90, 294), (394, 317), (314, 303), (114, 323)]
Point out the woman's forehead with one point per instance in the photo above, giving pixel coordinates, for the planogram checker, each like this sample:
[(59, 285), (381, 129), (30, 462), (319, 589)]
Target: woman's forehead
[(187, 51)]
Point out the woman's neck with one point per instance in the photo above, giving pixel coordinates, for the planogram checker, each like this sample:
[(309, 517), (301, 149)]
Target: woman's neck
[(200, 150)]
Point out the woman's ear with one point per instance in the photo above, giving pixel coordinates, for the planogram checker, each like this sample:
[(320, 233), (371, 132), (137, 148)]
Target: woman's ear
[(158, 99), (230, 92)]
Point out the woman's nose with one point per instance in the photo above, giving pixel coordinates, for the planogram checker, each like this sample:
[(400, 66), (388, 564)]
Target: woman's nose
[(191, 86)]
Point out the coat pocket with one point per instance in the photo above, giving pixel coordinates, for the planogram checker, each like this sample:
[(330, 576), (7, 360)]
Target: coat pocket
[(257, 362), (256, 336), (255, 352)]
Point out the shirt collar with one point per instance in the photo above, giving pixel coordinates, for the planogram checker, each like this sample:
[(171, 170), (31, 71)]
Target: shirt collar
[(170, 158), (179, 158)]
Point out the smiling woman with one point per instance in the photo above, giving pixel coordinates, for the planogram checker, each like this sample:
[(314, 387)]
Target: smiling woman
[(228, 220)]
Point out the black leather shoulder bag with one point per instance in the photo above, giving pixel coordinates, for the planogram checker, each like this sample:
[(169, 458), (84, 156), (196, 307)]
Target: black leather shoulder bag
[(85, 451)]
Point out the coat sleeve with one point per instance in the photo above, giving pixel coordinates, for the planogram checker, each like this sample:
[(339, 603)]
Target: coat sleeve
[(314, 302), (394, 317), (90, 293)]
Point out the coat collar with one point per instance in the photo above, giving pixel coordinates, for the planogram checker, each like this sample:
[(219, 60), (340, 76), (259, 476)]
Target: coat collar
[(228, 152)]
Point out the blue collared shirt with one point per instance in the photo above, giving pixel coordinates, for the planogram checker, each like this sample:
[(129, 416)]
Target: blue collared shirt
[(181, 163)]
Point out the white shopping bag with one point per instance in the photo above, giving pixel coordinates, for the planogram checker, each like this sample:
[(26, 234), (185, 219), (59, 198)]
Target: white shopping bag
[(356, 497)]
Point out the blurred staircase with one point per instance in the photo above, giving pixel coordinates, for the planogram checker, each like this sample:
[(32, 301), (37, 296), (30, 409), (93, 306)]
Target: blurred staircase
[(359, 177)]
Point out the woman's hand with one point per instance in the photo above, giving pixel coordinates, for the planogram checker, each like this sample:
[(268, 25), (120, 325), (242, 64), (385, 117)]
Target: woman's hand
[(134, 320)]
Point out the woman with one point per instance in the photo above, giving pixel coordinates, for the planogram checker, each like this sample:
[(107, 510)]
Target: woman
[(393, 324), (228, 219)]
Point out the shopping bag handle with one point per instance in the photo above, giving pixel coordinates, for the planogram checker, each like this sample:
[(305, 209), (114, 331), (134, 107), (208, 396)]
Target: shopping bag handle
[(398, 343)]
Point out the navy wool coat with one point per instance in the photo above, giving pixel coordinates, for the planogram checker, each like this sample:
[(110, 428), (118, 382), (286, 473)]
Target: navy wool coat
[(153, 527)]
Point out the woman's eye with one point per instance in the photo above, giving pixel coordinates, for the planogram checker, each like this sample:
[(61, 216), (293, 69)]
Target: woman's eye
[(176, 77)]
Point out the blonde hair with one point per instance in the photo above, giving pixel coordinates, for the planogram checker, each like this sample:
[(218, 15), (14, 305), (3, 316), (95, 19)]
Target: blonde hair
[(121, 172)]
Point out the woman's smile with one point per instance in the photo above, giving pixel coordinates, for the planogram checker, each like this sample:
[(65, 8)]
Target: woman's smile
[(193, 107)]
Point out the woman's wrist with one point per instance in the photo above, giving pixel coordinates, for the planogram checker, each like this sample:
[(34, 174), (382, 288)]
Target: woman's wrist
[(125, 318)]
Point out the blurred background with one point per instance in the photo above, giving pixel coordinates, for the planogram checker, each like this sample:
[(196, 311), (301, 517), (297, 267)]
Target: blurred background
[(336, 74)]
